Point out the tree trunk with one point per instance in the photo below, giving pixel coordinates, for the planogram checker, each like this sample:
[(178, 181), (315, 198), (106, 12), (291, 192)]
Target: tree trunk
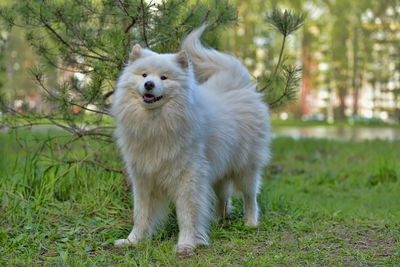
[(355, 78), (306, 74), (342, 105)]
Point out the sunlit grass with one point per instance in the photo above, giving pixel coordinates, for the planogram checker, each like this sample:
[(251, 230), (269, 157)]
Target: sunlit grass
[(322, 202), (276, 122)]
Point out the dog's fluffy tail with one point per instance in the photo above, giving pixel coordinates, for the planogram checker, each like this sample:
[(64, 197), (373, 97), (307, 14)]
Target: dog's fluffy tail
[(225, 72)]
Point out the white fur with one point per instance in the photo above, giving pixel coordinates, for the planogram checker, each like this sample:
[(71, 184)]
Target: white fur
[(192, 146)]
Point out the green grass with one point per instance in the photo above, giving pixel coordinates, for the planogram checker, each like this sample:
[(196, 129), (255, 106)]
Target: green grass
[(275, 122), (322, 202)]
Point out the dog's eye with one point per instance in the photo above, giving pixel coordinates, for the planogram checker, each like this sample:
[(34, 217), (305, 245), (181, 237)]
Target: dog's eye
[(144, 75), (163, 77)]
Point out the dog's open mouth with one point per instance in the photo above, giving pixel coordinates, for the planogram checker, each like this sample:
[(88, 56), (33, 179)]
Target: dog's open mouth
[(149, 98)]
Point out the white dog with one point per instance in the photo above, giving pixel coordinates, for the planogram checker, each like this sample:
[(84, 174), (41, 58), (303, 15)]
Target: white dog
[(190, 127)]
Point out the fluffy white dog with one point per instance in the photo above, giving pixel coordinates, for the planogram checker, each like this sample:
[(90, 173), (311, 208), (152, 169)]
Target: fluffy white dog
[(190, 127)]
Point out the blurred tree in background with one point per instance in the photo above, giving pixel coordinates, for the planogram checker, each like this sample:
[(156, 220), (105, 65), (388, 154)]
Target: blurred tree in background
[(3, 41), (17, 61), (348, 51)]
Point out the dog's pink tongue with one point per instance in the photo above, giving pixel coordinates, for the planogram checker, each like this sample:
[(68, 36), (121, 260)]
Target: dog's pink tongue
[(148, 97)]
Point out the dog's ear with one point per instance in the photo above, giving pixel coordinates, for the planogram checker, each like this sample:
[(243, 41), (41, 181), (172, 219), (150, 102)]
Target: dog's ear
[(182, 59), (135, 53)]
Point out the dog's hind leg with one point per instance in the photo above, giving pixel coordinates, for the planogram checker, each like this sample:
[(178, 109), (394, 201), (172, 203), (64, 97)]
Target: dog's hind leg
[(248, 184), (223, 191)]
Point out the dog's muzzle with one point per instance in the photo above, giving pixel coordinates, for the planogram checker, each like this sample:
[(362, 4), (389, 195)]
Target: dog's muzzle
[(150, 98)]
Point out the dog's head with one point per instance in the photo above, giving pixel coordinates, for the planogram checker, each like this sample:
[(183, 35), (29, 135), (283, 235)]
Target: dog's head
[(152, 79)]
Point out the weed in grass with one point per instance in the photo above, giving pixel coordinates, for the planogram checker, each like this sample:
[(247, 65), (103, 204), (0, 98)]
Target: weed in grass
[(384, 175)]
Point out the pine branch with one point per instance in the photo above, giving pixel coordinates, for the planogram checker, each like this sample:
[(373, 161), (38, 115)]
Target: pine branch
[(144, 22), (292, 78), (280, 56), (133, 19), (39, 80), (64, 42), (83, 43), (285, 23)]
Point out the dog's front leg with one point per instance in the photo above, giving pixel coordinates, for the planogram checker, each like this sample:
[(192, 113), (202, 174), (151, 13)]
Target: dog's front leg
[(194, 214), (149, 209)]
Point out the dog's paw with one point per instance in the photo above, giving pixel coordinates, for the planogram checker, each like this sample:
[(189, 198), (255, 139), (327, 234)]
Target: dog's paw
[(122, 243), (202, 242), (251, 223), (184, 249)]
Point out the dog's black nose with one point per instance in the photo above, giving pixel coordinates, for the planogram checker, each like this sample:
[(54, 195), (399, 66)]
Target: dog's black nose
[(149, 85)]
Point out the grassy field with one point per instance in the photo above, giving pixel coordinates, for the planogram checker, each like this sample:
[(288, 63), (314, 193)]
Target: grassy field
[(276, 122), (322, 203)]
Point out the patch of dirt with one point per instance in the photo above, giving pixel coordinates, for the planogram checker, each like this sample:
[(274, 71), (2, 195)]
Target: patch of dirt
[(370, 240)]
